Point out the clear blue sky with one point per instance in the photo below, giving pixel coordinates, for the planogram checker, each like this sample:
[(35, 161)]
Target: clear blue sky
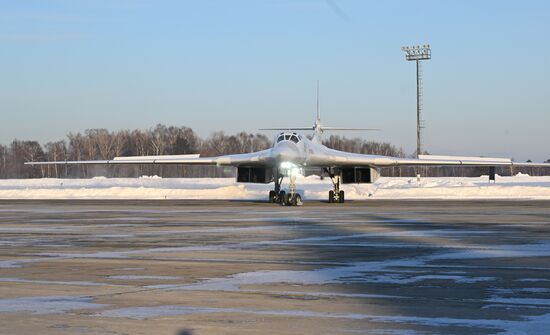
[(69, 65)]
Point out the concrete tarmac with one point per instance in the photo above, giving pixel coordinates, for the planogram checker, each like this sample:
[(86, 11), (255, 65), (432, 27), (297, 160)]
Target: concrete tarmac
[(221, 267)]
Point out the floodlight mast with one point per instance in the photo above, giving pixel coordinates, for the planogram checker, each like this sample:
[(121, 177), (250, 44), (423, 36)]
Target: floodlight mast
[(418, 53)]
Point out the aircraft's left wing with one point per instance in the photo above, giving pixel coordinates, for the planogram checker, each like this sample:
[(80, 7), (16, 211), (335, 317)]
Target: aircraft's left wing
[(335, 158), (255, 158)]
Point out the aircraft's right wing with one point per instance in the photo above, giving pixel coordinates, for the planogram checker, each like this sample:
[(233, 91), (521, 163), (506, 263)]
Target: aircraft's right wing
[(254, 158)]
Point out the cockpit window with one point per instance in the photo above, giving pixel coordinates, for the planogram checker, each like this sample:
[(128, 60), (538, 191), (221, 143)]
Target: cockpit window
[(289, 137)]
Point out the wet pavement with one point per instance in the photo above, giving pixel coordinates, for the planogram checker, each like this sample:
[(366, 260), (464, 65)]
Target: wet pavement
[(221, 267)]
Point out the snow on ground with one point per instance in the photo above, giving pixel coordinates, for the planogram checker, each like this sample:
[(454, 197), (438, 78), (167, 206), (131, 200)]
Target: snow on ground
[(47, 305), (312, 187)]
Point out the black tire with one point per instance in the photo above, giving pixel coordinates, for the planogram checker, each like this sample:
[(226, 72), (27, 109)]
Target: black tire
[(288, 199), (282, 195), (341, 200), (297, 201), (271, 196), (331, 196)]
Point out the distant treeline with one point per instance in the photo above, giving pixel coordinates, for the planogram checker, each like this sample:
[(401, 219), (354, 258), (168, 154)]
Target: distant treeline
[(96, 144)]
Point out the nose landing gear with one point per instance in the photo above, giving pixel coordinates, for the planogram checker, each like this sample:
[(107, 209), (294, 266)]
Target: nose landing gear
[(281, 197), (293, 198)]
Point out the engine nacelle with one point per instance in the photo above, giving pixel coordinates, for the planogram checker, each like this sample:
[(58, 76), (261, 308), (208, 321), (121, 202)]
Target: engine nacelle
[(259, 175), (359, 175)]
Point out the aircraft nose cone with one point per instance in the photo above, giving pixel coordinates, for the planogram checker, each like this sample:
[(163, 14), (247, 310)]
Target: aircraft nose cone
[(286, 152)]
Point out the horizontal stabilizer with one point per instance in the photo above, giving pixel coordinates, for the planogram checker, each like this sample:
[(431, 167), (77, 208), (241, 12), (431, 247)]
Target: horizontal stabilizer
[(288, 128), (338, 128), (321, 128)]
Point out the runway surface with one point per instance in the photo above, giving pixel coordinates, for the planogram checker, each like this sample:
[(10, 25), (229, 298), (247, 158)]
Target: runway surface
[(219, 267)]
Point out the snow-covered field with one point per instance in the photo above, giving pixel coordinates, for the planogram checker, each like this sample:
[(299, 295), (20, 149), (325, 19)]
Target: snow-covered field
[(516, 187)]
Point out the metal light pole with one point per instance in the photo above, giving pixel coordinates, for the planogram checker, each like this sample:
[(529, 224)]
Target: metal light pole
[(418, 53)]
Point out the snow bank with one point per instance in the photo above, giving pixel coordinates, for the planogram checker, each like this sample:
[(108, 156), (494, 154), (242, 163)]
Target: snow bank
[(516, 187)]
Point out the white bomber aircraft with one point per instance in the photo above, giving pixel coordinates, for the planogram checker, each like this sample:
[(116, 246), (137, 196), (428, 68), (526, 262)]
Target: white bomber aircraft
[(292, 152)]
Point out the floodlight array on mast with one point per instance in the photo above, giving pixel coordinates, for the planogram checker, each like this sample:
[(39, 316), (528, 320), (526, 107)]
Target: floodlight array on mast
[(418, 53)]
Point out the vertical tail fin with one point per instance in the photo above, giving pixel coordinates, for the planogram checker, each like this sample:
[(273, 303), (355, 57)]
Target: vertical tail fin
[(317, 129), (318, 107)]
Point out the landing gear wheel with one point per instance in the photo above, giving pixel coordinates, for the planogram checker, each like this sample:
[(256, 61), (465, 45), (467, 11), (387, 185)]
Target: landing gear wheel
[(297, 200), (331, 196), (282, 195), (288, 200), (272, 196), (335, 195)]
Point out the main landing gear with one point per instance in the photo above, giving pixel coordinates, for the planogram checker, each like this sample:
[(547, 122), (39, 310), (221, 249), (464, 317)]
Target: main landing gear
[(336, 195), (279, 196)]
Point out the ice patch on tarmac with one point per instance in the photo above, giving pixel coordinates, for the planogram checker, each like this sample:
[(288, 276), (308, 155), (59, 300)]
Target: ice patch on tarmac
[(212, 230), (539, 249), (141, 313), (53, 282), (127, 253), (520, 290), (387, 331), (532, 279), (37, 230), (47, 305), (528, 325), (408, 233), (228, 246), (355, 273), (17, 263), (370, 271), (331, 294), (348, 240), (401, 279), (144, 277), (520, 301), (108, 219)]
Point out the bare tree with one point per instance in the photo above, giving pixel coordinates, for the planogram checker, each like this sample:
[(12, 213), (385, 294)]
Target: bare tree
[(158, 139), (102, 140), (25, 151), (3, 161), (214, 145), (56, 151), (76, 150)]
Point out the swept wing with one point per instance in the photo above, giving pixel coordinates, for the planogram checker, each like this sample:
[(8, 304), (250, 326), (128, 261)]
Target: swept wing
[(255, 158), (336, 158)]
